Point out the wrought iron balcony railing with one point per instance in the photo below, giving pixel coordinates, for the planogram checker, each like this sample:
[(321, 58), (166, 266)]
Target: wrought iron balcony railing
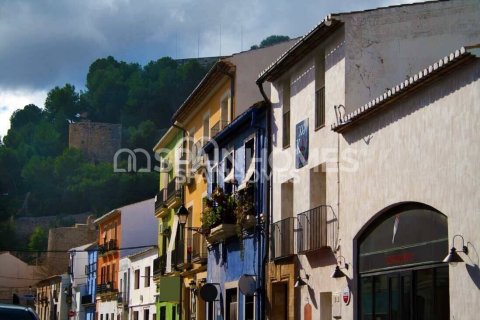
[(160, 201), (312, 229), (174, 189), (282, 238), (105, 287)]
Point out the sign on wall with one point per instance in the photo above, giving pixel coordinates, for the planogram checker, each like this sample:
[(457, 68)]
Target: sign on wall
[(301, 144)]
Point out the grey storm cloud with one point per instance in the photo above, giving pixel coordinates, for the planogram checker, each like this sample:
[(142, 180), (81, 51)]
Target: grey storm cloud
[(48, 43)]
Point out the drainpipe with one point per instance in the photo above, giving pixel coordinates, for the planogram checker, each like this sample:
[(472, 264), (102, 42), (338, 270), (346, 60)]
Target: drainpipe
[(268, 196)]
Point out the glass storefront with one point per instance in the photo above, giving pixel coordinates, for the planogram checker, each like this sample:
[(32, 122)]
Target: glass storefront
[(401, 275)]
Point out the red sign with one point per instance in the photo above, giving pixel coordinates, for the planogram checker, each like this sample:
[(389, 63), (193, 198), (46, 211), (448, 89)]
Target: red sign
[(346, 295), (71, 313)]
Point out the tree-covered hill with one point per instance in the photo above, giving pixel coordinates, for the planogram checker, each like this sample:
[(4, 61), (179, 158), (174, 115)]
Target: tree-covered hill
[(40, 175)]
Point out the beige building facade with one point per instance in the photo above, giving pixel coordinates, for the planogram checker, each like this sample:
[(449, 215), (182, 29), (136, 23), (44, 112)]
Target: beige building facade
[(358, 199)]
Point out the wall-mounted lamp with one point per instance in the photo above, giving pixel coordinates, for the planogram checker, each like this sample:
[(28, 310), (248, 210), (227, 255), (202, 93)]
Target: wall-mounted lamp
[(453, 258), (300, 282), (337, 273)]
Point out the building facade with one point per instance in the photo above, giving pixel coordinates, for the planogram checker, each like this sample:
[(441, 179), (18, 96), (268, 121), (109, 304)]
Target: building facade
[(169, 199), (339, 200), (52, 297), (226, 91), (142, 293), (121, 232), (88, 299), (236, 235), (78, 272)]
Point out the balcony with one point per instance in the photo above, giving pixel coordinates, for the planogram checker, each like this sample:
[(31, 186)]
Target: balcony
[(87, 299), (178, 255), (199, 249), (312, 229), (160, 200), (159, 265), (282, 238), (174, 192), (221, 232), (107, 287), (108, 246)]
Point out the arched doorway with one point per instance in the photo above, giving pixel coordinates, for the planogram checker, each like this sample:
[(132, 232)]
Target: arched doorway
[(400, 269)]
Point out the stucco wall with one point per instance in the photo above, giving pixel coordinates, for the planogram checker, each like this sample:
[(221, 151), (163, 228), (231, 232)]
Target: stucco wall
[(144, 297), (249, 65), (384, 46), (135, 233), (422, 149)]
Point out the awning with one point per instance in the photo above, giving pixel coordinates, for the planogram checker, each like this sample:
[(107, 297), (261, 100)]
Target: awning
[(171, 245)]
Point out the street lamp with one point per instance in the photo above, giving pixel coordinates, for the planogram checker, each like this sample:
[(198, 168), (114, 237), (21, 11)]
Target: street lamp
[(182, 214)]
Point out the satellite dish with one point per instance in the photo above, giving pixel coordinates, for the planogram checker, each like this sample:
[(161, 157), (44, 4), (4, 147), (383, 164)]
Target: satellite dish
[(209, 292), (247, 284)]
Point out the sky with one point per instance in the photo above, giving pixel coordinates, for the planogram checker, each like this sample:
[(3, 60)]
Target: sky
[(48, 43)]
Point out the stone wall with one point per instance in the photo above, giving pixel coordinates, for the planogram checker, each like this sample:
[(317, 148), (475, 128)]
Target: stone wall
[(98, 141)]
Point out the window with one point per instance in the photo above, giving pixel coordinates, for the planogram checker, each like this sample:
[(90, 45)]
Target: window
[(249, 153), (225, 112), (113, 276), (231, 304), (287, 199), (206, 129), (137, 279), (146, 314), (320, 90), (107, 277), (249, 308), (214, 178), (286, 114), (101, 317), (135, 315), (112, 316), (154, 316), (147, 278)]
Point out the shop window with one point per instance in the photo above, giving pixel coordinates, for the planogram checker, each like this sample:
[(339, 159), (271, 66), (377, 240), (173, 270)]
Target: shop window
[(402, 275)]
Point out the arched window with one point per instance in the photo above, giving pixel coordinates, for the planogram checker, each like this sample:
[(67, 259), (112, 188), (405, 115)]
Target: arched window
[(400, 268)]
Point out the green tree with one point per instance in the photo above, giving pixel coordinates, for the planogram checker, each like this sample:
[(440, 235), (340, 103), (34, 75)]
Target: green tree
[(270, 41), (38, 240)]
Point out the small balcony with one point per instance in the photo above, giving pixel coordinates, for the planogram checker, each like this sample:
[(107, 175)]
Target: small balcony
[(159, 265), (160, 200), (199, 249), (312, 229), (106, 287), (107, 247), (282, 238), (178, 255), (174, 192)]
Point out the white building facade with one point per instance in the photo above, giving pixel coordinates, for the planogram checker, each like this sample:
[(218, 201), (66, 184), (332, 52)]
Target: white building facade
[(335, 194), (142, 293)]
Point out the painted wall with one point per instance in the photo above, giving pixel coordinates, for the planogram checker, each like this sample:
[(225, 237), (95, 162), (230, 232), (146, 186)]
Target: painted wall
[(91, 282), (143, 297), (322, 157), (135, 233), (384, 46), (230, 259), (421, 149), (249, 65)]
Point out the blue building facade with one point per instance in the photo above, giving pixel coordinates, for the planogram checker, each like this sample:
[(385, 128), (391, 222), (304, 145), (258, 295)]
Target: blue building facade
[(237, 160), (88, 300)]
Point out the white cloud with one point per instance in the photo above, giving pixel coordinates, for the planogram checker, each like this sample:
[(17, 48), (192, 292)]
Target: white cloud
[(11, 100)]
